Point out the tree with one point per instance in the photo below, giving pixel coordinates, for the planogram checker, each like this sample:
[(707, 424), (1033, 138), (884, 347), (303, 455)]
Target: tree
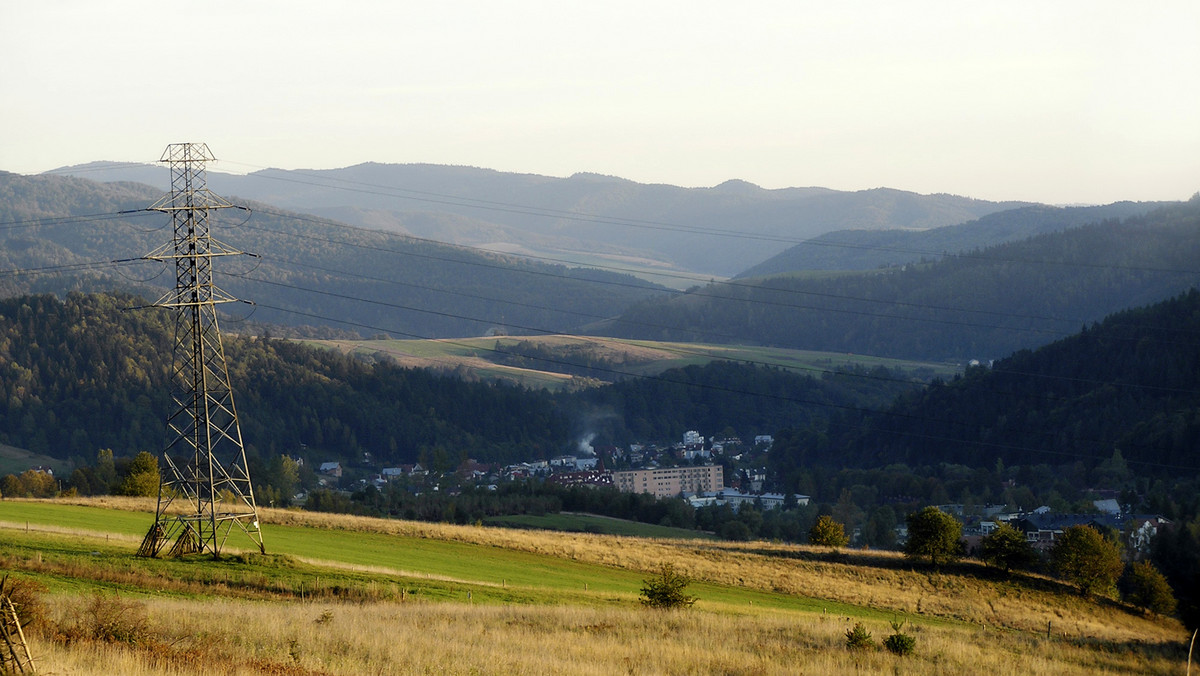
[(827, 533), (666, 589), (29, 484), (1084, 558), (1142, 585), (1007, 548), (935, 535), (106, 471), (142, 478)]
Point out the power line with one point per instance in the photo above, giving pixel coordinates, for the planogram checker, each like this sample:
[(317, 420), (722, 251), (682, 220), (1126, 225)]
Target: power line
[(510, 207), (545, 331), (601, 369), (52, 269), (699, 294), (732, 284), (748, 287), (808, 402), (61, 220), (751, 288)]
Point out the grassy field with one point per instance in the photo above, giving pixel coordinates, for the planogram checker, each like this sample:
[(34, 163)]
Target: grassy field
[(637, 357), (16, 460), (339, 595), (593, 523)]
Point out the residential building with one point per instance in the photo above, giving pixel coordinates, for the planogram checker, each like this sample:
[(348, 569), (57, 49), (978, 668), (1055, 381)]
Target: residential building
[(665, 482), (735, 499)]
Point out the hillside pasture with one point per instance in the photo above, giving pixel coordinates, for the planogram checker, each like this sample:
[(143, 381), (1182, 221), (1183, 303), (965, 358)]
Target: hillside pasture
[(341, 594), (621, 357)]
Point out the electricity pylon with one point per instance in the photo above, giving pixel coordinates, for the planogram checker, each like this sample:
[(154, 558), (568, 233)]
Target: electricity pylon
[(205, 461)]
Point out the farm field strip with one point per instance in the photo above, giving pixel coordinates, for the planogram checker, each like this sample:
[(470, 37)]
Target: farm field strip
[(344, 594), (642, 357), (405, 557)]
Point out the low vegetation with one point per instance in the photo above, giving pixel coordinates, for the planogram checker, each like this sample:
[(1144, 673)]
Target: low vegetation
[(828, 533), (900, 643), (342, 594), (666, 590)]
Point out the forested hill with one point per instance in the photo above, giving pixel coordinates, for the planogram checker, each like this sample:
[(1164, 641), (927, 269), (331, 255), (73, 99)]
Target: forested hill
[(1128, 384), (717, 231), (871, 249), (60, 233), (83, 373), (983, 305)]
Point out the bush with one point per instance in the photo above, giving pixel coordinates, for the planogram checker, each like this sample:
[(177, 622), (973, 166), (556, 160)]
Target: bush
[(1142, 585), (26, 597), (900, 643), (109, 619), (666, 590), (828, 533), (859, 638)]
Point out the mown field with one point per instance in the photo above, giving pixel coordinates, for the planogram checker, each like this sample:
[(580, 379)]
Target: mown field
[(349, 595), (594, 523), (16, 460), (635, 357)]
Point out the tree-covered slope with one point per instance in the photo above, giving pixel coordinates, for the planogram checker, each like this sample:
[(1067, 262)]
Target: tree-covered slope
[(871, 249), (714, 231), (730, 398), (982, 304), (1130, 383), (60, 234), (85, 373)]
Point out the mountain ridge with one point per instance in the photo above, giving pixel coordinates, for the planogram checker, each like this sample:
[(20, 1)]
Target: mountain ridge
[(730, 226)]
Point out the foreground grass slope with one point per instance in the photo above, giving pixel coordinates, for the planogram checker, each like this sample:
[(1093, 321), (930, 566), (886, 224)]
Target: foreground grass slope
[(340, 594)]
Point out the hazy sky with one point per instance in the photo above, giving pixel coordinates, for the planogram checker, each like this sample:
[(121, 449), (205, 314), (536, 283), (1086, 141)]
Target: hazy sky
[(1060, 102)]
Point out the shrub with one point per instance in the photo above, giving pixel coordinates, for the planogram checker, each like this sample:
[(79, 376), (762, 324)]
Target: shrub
[(900, 643), (1142, 585), (109, 619), (828, 533), (666, 589), (142, 477), (859, 638), (26, 597)]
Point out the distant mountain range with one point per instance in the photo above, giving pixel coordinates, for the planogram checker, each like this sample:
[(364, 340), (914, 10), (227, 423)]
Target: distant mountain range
[(62, 233), (980, 304), (871, 249), (586, 218), (980, 301)]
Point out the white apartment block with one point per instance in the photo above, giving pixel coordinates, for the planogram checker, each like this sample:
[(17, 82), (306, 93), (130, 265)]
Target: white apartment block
[(665, 482)]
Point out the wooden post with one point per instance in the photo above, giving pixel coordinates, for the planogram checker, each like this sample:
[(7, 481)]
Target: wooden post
[(1192, 645), (16, 623)]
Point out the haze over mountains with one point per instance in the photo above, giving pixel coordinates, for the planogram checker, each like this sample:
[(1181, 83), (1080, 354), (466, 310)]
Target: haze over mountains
[(711, 232), (975, 302)]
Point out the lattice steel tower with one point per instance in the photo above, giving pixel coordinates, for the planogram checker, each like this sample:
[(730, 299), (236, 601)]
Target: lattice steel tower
[(205, 461)]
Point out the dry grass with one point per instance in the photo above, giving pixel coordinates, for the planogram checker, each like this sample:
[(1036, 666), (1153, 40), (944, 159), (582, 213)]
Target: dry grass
[(239, 637), (880, 580), (1003, 632)]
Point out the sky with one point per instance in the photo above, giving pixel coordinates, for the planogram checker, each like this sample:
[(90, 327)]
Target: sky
[(1061, 102)]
